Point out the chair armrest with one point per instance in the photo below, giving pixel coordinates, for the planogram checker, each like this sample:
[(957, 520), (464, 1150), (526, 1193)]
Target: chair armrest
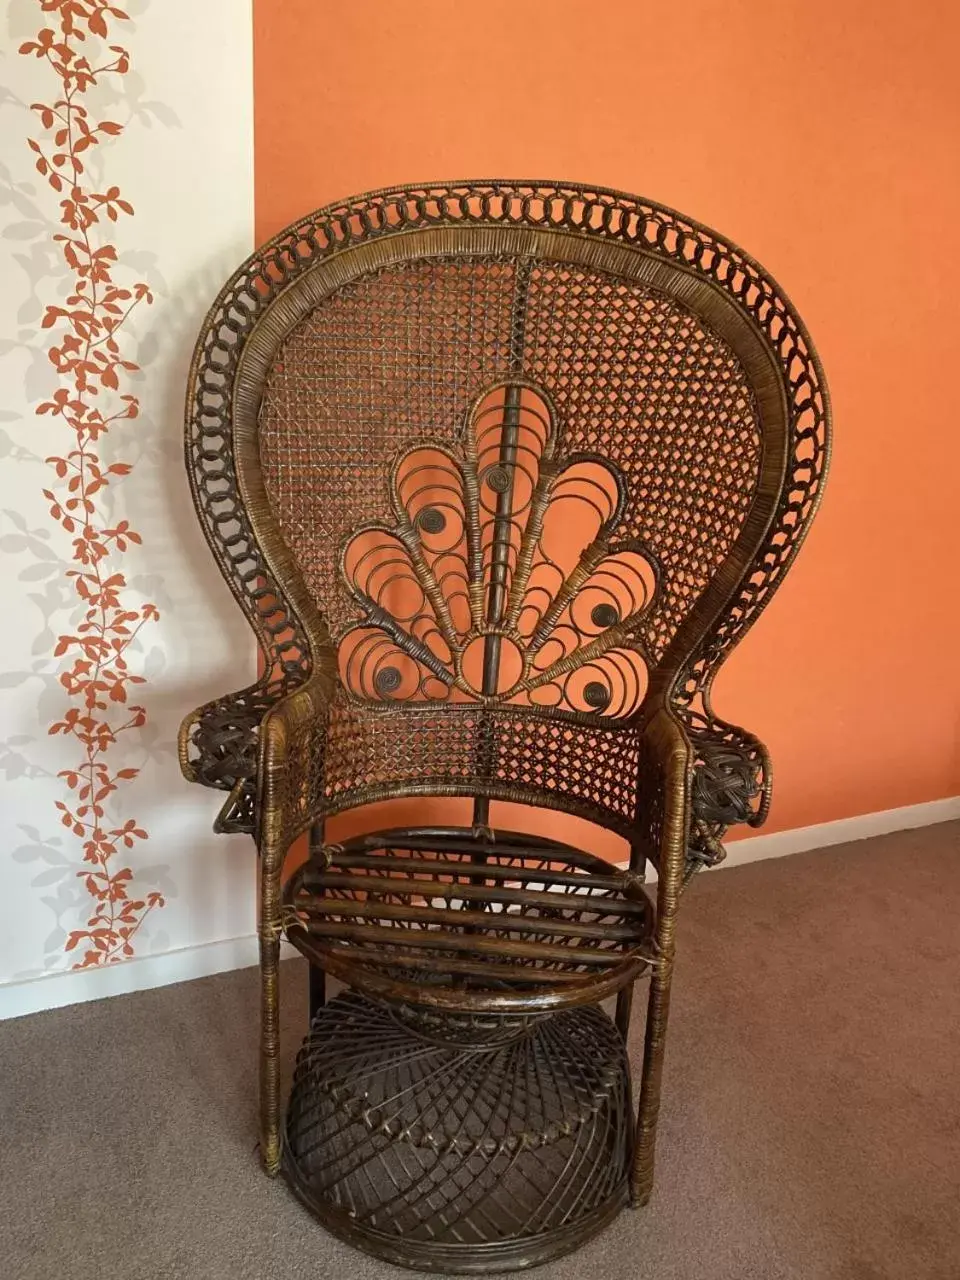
[(219, 744), (732, 782), (663, 791), (290, 775)]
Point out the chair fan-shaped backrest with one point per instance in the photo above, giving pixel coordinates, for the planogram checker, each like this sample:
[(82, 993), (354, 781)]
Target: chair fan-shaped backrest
[(514, 459)]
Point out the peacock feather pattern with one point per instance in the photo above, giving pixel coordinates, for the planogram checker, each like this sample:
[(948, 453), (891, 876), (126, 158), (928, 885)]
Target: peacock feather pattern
[(500, 579)]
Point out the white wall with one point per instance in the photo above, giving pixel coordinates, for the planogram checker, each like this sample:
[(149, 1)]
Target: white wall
[(185, 163)]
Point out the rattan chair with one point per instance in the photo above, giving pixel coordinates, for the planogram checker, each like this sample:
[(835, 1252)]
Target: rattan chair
[(499, 472)]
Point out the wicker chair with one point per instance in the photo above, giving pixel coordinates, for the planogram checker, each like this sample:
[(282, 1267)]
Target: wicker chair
[(499, 472)]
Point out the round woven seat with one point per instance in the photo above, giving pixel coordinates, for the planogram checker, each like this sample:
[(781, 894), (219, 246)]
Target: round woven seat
[(452, 921), (452, 1158)]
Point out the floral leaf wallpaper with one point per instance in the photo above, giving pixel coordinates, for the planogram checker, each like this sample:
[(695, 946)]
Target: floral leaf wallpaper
[(116, 228), (85, 327)]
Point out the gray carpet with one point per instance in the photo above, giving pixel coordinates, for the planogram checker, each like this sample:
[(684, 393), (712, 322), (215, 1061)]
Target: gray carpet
[(810, 1123)]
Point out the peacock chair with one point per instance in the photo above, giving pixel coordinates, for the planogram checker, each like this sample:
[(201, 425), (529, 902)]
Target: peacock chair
[(499, 472)]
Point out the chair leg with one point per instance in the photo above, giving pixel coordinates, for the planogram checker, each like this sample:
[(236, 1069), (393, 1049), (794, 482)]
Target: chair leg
[(269, 1049), (317, 979), (658, 1008), (624, 1009), (316, 991), (270, 933)]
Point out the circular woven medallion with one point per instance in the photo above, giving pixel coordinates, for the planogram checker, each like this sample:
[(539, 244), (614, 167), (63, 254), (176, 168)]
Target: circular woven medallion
[(596, 695), (604, 615), (498, 479), (387, 680), (432, 520)]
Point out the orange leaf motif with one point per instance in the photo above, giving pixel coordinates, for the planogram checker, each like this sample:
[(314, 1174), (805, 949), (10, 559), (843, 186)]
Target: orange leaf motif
[(87, 354)]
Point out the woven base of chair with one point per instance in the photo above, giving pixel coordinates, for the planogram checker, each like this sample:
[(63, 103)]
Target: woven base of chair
[(418, 1145)]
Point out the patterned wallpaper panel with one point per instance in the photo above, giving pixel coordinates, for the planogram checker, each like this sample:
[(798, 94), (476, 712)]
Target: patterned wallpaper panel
[(119, 215)]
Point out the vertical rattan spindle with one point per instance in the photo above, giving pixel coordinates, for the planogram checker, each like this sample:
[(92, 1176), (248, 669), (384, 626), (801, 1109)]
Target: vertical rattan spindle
[(316, 978), (502, 534)]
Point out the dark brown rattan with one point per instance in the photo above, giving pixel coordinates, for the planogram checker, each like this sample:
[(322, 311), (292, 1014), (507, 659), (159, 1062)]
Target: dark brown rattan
[(499, 472), (483, 925), (426, 1153)]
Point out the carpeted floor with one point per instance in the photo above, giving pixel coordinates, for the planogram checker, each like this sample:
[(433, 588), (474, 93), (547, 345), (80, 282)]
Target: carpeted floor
[(810, 1127)]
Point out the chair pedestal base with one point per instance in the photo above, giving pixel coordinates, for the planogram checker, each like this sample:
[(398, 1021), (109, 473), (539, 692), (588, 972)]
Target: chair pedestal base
[(454, 1144)]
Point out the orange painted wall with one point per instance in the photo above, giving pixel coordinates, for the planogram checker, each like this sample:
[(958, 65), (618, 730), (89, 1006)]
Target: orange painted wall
[(823, 138)]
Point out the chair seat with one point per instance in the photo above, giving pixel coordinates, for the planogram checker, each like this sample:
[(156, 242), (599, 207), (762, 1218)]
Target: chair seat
[(455, 920)]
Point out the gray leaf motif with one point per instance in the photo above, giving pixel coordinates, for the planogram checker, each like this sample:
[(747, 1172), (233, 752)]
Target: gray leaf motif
[(24, 230), (156, 744), (21, 19), (37, 572), (161, 112), (69, 894), (157, 875), (14, 764), (154, 664), (40, 377), (30, 310), (151, 587), (147, 265), (148, 348), (40, 850), (9, 448), (53, 875), (43, 641), (54, 940), (16, 519), (43, 268), (36, 545), (11, 195), (133, 87), (57, 597)]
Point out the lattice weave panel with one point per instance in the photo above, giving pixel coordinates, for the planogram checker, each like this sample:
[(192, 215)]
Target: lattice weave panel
[(399, 356)]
